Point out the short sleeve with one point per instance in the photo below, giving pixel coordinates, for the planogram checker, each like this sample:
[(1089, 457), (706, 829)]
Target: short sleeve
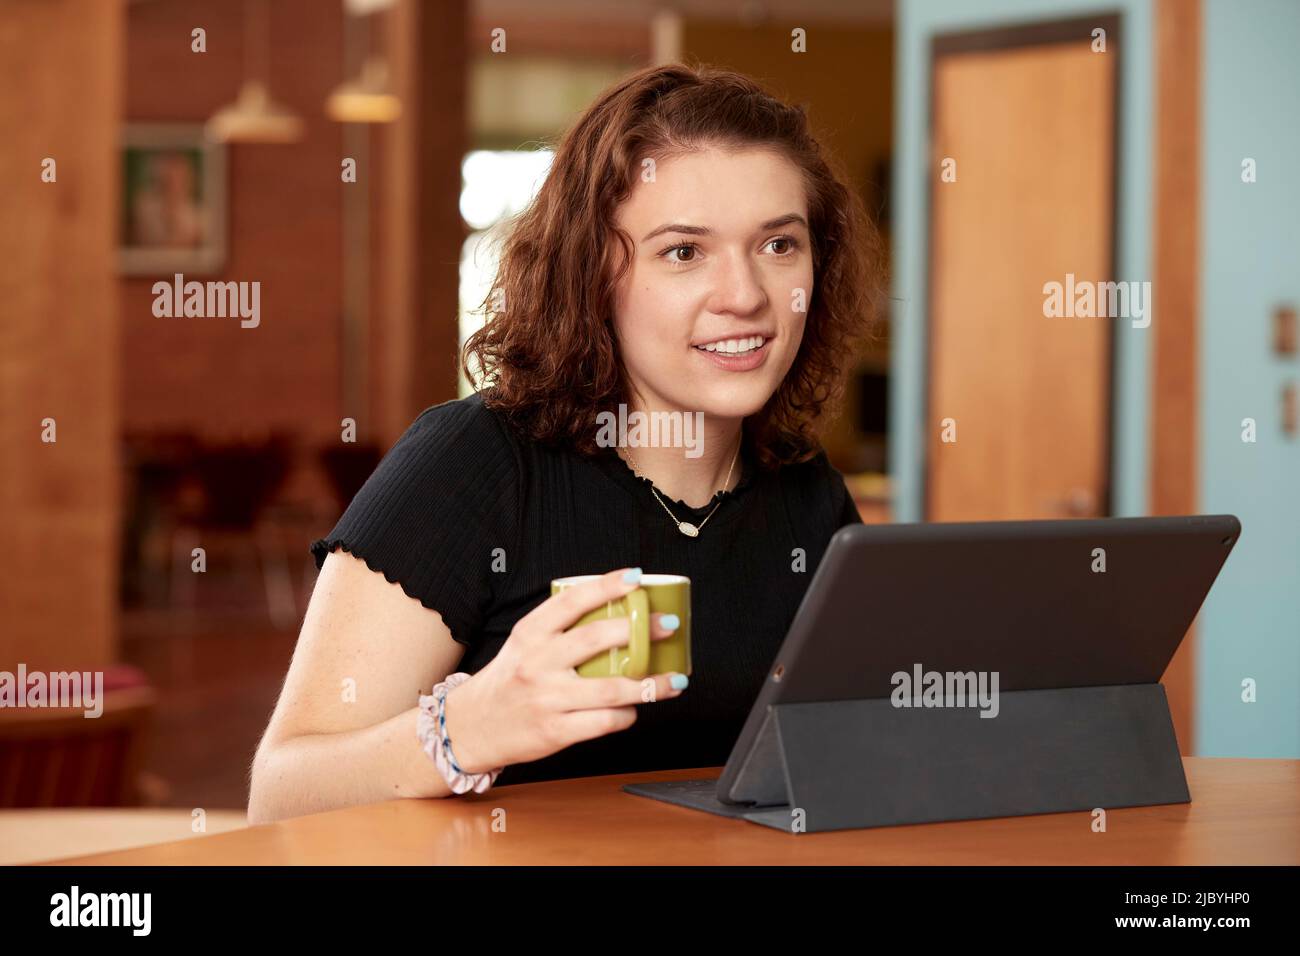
[(435, 509)]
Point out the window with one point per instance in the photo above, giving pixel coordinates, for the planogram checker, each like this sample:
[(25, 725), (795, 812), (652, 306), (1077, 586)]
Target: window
[(495, 185)]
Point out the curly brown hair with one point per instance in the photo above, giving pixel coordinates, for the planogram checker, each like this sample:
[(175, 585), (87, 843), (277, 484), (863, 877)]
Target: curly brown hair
[(547, 351)]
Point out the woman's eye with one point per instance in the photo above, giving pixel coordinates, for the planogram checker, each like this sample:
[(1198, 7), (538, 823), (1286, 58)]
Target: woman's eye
[(783, 245), (679, 254)]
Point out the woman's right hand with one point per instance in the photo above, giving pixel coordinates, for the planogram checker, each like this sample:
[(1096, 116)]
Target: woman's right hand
[(529, 701)]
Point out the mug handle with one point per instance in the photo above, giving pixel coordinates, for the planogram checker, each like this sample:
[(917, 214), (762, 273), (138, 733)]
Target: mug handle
[(637, 662)]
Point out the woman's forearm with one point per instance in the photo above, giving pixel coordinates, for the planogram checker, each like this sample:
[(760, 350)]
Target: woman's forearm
[(317, 772)]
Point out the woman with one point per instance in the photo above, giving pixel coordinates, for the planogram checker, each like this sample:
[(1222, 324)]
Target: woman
[(690, 252)]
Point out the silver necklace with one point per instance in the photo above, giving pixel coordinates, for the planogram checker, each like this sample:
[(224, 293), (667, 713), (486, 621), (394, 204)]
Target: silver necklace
[(685, 527)]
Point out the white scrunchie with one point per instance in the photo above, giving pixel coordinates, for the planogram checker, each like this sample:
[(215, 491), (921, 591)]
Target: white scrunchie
[(431, 728)]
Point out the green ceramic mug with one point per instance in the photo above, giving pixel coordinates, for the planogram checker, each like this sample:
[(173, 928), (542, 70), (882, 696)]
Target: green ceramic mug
[(640, 656)]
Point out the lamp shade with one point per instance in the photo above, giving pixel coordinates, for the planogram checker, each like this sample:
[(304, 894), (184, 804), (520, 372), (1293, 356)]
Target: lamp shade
[(366, 99), (254, 118)]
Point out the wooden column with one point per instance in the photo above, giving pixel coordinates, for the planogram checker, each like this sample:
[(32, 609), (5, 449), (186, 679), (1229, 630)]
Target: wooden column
[(59, 332), (417, 334), (1176, 284)]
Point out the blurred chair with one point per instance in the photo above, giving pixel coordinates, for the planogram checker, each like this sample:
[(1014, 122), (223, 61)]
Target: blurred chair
[(58, 757), (238, 483), (347, 466), (156, 467)]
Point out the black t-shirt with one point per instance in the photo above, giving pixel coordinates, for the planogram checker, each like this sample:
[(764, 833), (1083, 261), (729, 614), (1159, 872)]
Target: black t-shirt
[(461, 493)]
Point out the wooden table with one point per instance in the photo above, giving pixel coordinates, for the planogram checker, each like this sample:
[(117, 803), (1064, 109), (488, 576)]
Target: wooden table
[(32, 835), (1243, 812)]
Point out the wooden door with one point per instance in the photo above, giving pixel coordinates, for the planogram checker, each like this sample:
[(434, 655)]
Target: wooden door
[(1026, 132)]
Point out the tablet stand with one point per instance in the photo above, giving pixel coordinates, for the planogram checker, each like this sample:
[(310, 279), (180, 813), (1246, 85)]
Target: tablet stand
[(837, 765)]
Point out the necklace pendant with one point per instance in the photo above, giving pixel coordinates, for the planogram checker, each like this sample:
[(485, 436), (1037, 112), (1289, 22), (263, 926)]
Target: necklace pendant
[(688, 529)]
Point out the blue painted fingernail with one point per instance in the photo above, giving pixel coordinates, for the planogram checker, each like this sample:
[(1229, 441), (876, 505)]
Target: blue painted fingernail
[(679, 681), (671, 622), (632, 576)]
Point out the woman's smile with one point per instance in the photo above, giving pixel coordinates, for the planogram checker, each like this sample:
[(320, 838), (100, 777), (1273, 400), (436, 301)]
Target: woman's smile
[(737, 354)]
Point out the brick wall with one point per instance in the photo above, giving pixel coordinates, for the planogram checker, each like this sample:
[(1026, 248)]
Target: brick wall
[(284, 225)]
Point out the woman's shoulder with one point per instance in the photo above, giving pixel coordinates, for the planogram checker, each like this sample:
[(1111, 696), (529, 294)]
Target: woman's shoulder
[(813, 470), (456, 462), (455, 441), (463, 424), (456, 450), (818, 490), (442, 498)]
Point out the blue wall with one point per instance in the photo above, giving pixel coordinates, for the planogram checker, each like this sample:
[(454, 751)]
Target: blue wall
[(1250, 242), (1250, 627)]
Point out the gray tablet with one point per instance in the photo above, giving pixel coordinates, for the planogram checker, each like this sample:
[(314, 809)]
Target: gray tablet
[(1043, 605)]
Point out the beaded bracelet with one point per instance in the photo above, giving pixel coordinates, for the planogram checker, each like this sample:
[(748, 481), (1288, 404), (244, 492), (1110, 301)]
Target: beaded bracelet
[(432, 731)]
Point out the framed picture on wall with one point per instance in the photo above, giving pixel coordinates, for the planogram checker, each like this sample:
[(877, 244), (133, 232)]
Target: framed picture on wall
[(173, 210)]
